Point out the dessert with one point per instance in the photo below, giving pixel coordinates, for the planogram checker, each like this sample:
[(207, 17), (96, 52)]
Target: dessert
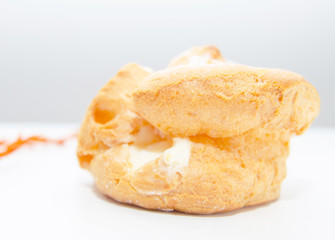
[(205, 135)]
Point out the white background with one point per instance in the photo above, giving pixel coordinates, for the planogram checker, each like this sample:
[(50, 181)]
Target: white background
[(56, 55)]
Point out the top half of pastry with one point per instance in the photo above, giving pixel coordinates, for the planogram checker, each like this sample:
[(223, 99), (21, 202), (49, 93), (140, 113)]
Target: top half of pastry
[(201, 93)]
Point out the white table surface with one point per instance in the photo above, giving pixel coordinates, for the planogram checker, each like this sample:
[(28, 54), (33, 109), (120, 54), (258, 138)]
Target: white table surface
[(45, 195)]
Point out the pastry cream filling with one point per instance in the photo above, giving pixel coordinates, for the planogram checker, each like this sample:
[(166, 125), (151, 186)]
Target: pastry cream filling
[(138, 156), (176, 157)]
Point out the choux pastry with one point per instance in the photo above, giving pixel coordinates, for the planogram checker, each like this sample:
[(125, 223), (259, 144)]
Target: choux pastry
[(203, 136)]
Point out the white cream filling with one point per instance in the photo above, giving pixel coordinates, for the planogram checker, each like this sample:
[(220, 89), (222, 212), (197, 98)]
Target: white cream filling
[(175, 157), (138, 156)]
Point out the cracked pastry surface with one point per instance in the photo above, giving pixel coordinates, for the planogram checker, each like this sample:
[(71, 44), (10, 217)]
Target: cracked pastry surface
[(203, 136)]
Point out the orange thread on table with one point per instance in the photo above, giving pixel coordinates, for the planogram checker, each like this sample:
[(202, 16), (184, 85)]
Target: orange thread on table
[(20, 142)]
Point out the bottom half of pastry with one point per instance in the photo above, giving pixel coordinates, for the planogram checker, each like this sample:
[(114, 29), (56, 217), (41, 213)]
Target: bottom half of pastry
[(198, 175)]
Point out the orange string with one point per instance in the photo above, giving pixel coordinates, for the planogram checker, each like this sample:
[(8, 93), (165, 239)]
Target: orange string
[(9, 148)]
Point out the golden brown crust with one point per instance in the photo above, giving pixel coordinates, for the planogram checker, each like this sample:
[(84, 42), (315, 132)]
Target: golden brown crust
[(222, 175), (108, 119), (234, 121), (223, 100)]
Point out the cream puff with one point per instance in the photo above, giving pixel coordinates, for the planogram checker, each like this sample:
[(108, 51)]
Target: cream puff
[(203, 136)]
